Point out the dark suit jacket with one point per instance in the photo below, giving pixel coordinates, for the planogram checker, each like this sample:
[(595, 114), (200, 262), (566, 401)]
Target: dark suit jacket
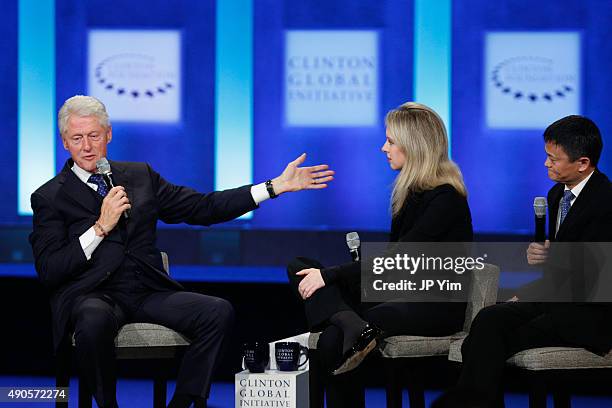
[(65, 207), (437, 215), (588, 220)]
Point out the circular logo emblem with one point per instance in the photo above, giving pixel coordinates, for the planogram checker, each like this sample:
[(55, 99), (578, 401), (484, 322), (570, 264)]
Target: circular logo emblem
[(533, 79), (134, 75)]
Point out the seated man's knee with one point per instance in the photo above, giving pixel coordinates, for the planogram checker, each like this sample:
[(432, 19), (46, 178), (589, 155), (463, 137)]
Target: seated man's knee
[(487, 317), (224, 312), (94, 320)]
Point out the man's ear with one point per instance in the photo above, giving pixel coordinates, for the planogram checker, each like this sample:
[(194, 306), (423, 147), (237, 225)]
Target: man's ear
[(64, 142), (583, 164), (109, 134)]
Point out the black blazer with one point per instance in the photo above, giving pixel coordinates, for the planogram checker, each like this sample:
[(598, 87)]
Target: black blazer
[(588, 220), (437, 215), (65, 207)]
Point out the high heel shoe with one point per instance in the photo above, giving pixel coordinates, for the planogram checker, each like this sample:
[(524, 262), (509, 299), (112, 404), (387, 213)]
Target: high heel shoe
[(365, 343)]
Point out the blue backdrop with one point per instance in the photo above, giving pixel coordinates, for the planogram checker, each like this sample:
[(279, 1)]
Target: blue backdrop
[(8, 114), (503, 168)]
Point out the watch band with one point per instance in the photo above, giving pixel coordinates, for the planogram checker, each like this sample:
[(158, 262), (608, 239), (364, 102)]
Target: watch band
[(270, 189)]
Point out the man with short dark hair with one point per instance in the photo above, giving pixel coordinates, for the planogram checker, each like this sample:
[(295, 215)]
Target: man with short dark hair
[(104, 270), (580, 211)]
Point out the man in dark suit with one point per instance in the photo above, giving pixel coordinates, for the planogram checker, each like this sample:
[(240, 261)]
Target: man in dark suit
[(103, 270), (580, 211)]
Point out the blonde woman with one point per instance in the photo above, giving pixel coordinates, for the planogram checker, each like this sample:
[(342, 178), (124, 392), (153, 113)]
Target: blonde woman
[(428, 204)]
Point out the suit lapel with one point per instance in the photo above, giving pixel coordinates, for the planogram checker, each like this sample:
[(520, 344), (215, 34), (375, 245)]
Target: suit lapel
[(553, 210), (122, 179), (582, 203), (79, 193)]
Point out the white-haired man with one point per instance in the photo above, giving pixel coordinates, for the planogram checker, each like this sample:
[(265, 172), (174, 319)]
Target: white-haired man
[(104, 271)]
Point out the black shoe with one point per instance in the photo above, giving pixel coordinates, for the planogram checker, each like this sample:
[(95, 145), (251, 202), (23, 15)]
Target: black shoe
[(365, 343)]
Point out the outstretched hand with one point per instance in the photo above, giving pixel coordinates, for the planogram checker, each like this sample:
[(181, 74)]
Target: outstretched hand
[(295, 178)]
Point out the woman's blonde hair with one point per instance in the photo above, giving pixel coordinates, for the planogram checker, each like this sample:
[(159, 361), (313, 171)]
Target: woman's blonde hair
[(421, 135)]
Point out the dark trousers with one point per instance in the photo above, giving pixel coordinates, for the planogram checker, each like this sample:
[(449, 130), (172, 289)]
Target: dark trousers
[(498, 332), (98, 316), (394, 318)]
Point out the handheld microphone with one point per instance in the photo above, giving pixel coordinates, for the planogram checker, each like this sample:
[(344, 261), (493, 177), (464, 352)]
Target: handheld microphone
[(539, 208), (354, 245), (104, 169)]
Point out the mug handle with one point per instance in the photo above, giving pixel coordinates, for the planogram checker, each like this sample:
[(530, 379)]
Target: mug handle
[(303, 352)]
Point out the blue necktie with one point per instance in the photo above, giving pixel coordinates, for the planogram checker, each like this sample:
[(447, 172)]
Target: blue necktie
[(98, 180), (568, 196)]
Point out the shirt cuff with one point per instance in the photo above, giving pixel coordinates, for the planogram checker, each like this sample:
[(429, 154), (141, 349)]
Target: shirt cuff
[(259, 193), (89, 242)]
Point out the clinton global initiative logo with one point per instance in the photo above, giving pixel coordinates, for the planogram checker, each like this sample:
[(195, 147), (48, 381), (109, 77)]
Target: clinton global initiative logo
[(134, 76), (331, 78), (136, 73), (533, 79)]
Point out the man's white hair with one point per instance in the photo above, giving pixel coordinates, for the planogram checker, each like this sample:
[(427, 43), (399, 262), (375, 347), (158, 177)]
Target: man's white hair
[(82, 105)]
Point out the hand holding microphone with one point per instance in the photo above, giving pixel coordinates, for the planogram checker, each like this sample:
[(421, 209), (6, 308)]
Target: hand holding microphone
[(104, 169), (537, 252), (116, 202), (114, 205)]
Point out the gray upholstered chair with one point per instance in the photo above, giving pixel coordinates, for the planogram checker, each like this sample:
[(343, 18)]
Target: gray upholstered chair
[(546, 365), (405, 350), (136, 341), (413, 351)]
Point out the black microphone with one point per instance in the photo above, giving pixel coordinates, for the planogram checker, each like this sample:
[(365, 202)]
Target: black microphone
[(539, 207), (354, 245), (104, 169)]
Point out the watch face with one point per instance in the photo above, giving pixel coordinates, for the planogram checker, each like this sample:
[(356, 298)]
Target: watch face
[(270, 189)]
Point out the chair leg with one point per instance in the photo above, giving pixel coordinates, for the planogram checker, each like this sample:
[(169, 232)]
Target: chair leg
[(416, 393), (84, 395), (416, 389), (159, 392), (537, 392), (393, 385), (562, 399), (315, 379)]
